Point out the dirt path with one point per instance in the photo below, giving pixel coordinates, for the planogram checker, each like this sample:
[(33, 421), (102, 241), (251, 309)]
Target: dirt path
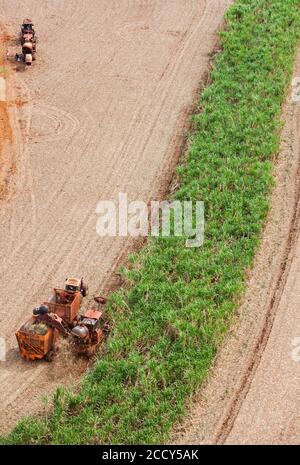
[(108, 102), (7, 152), (253, 396)]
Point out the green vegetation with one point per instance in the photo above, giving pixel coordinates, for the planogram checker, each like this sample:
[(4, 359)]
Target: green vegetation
[(176, 303)]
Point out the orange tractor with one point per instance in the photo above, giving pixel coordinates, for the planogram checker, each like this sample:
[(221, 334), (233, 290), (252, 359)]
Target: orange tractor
[(60, 315), (89, 331), (28, 42), (27, 27)]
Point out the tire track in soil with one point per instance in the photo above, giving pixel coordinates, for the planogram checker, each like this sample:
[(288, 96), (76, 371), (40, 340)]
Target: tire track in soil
[(6, 140), (249, 397), (245, 384)]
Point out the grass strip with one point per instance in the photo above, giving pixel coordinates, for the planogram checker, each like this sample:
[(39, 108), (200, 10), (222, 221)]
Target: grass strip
[(177, 303)]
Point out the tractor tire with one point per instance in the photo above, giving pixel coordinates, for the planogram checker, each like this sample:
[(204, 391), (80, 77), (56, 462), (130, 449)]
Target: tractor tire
[(50, 356), (84, 290), (28, 59)]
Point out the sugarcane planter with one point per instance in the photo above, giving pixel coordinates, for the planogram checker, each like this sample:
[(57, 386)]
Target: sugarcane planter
[(37, 337)]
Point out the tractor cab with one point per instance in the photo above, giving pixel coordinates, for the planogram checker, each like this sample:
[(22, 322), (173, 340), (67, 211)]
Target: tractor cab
[(88, 327), (92, 319), (27, 26), (76, 285), (27, 31)]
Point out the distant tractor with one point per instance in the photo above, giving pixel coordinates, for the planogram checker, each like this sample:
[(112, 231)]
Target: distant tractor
[(28, 42)]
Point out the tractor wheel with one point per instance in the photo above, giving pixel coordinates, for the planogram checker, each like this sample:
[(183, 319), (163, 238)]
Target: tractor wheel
[(28, 59), (50, 355), (84, 290)]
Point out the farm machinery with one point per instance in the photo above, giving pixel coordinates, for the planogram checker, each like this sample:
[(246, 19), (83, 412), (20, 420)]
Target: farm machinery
[(27, 27), (89, 331), (28, 42), (37, 337), (74, 285), (60, 315)]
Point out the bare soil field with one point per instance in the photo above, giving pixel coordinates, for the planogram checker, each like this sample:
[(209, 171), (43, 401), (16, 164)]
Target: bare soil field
[(253, 395), (108, 101)]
